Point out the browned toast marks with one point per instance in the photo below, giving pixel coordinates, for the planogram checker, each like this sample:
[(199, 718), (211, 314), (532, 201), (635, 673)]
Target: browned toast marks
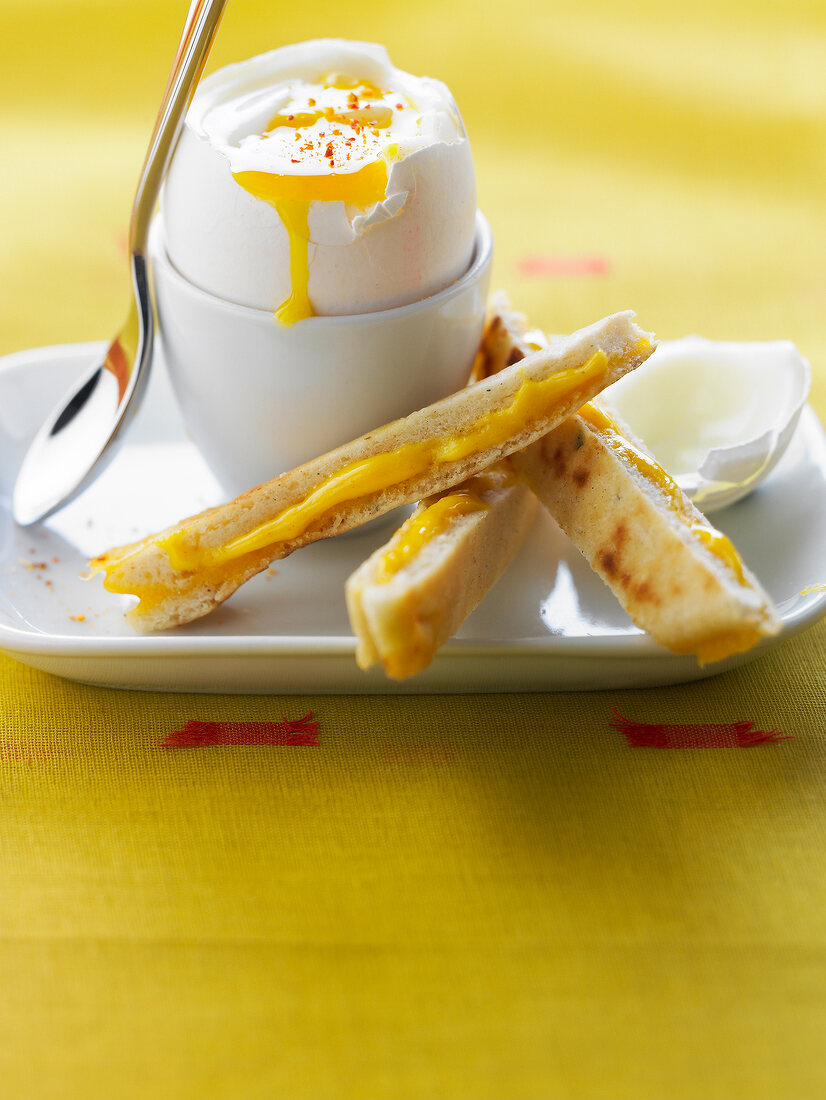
[(678, 578)]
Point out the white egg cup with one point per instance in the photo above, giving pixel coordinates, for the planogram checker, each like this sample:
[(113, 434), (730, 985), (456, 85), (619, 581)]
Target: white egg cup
[(259, 398)]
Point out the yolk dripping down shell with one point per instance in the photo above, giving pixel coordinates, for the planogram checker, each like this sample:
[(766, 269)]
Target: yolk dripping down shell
[(292, 194), (429, 522)]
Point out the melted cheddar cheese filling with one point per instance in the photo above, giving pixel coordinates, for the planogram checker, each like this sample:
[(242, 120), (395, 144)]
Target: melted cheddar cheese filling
[(427, 523), (713, 540), (341, 156)]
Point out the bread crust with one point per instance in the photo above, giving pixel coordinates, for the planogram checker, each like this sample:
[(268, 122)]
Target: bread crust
[(170, 596)]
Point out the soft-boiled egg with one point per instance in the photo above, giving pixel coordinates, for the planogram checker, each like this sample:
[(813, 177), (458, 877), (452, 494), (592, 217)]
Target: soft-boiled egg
[(717, 415), (320, 179)]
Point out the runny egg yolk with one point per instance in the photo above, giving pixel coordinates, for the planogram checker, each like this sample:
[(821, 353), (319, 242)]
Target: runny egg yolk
[(343, 139)]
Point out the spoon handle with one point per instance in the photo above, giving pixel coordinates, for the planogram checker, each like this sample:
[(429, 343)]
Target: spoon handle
[(198, 33)]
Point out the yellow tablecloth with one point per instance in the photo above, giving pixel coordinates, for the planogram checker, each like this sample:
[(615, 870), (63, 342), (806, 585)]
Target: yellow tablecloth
[(481, 897)]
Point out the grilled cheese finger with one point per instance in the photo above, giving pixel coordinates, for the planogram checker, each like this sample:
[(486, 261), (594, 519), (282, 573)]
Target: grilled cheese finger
[(677, 577), (414, 593), (187, 570)]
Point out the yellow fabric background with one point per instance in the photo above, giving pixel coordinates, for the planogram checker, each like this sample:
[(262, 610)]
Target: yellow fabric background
[(464, 897)]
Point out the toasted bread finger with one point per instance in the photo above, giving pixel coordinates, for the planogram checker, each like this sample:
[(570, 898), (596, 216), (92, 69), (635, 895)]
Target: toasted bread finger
[(187, 570), (678, 578), (414, 593)]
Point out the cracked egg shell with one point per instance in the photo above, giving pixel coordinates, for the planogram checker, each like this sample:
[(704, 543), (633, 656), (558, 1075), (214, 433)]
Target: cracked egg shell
[(415, 242), (717, 415)]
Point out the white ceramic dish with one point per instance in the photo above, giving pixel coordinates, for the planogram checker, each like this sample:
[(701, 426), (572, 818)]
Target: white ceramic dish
[(550, 624)]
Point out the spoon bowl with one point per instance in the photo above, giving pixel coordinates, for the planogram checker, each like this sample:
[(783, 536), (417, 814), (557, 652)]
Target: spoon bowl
[(80, 437)]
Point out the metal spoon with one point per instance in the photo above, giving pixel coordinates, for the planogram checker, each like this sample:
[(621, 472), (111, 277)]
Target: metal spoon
[(79, 439)]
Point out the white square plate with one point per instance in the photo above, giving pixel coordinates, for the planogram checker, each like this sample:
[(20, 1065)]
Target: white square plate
[(549, 625)]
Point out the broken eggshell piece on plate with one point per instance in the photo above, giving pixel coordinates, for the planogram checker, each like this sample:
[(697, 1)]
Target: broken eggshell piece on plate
[(717, 415)]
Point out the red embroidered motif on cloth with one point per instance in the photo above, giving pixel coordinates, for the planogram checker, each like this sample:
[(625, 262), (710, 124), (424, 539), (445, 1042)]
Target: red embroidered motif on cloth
[(195, 735), (535, 266), (726, 735)]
